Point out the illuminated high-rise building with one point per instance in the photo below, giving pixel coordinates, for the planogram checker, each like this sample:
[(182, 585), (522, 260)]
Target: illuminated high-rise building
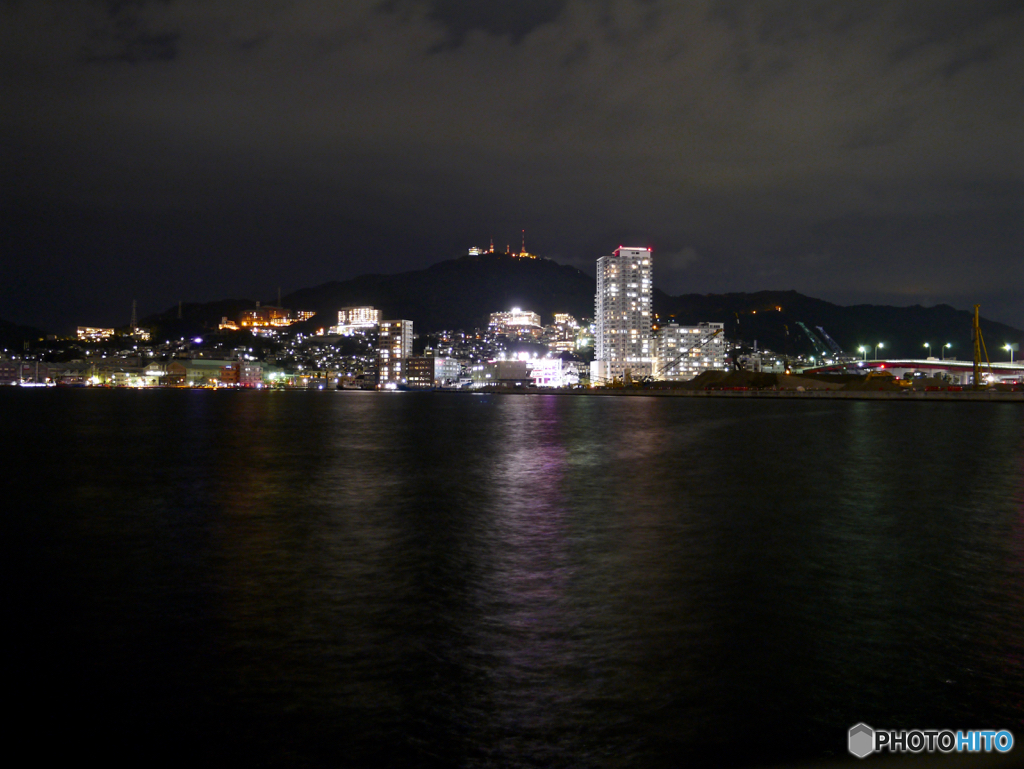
[(622, 316), (394, 345)]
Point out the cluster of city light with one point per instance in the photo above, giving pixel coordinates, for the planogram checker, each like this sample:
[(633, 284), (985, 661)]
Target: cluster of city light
[(627, 339)]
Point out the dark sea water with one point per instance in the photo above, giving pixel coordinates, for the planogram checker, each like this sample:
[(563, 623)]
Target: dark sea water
[(430, 579)]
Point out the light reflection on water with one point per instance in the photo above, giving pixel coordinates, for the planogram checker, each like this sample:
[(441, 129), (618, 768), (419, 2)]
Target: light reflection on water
[(432, 579)]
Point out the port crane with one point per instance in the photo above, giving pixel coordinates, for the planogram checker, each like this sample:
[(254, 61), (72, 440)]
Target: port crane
[(823, 344), (816, 343), (830, 341)]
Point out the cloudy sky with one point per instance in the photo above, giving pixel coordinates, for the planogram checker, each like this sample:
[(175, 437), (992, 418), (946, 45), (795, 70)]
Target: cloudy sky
[(855, 151)]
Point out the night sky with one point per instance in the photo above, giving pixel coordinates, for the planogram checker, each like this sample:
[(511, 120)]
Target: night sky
[(855, 151)]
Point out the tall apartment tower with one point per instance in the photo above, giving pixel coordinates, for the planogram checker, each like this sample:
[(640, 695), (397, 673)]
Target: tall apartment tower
[(622, 316), (394, 345)]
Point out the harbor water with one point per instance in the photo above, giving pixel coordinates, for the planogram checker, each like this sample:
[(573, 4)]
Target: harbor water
[(433, 579)]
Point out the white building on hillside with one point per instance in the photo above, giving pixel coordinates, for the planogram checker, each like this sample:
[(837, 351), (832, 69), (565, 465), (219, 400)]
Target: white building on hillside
[(352, 319), (515, 322)]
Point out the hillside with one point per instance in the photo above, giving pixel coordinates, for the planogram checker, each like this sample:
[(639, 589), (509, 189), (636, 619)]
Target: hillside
[(461, 293), (13, 336), (903, 330), (458, 293)]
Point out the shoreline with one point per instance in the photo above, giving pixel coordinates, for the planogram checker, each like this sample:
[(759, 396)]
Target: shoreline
[(943, 396), (902, 395)]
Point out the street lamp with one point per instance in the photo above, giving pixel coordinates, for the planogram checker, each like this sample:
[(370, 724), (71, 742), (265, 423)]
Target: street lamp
[(877, 346), (864, 350), (1012, 348), (929, 346)]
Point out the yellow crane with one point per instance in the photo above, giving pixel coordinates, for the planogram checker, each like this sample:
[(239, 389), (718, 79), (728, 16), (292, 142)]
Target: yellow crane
[(979, 348)]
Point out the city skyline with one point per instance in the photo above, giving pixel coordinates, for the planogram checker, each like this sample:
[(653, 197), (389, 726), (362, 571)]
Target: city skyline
[(256, 308), (630, 348), (860, 152)]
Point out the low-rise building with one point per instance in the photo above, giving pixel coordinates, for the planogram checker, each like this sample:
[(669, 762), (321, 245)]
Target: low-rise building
[(555, 372), (242, 373), (765, 362), (683, 352), (124, 376), (193, 372), (504, 373), (71, 373), (154, 373), (24, 372), (419, 373), (428, 372)]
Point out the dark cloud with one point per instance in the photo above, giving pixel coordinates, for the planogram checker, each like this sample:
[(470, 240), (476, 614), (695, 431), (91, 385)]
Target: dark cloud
[(138, 46), (122, 35), (838, 148), (516, 19)]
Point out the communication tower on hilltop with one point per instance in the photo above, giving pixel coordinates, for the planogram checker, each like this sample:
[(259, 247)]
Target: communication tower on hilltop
[(523, 253)]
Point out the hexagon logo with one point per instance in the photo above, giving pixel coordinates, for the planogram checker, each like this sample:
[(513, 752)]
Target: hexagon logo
[(862, 740)]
